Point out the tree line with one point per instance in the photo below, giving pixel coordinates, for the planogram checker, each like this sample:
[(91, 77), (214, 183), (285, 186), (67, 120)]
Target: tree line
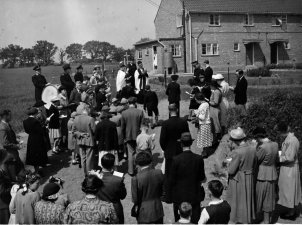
[(43, 53)]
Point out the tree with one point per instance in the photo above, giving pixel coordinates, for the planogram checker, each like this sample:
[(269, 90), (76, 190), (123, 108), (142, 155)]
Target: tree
[(27, 57), (62, 54), (118, 54), (44, 52), (99, 50), (11, 55), (74, 52)]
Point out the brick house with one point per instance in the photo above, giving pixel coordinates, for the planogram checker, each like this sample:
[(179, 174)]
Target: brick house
[(230, 33)]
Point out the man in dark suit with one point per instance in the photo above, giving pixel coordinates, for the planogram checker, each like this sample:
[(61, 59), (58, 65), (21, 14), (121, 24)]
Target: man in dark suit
[(79, 75), (208, 72), (187, 175), (240, 91), (113, 189), (39, 82), (130, 123), (131, 68), (75, 96), (147, 190), (173, 92), (171, 131), (150, 103), (127, 91), (197, 71), (66, 80)]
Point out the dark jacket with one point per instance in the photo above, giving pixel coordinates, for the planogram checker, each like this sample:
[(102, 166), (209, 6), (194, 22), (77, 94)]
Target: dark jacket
[(78, 77), (197, 73), (150, 100), (113, 190), (208, 73), (74, 99), (240, 91), (106, 135), (173, 92), (39, 82), (131, 121), (127, 92), (187, 173), (131, 70), (170, 132), (67, 82), (54, 122), (100, 100), (147, 189)]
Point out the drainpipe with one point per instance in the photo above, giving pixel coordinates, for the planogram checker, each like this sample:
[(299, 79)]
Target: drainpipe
[(190, 27), (184, 35)]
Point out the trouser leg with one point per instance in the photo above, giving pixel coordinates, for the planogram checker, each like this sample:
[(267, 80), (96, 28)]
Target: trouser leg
[(196, 212), (83, 158), (90, 159), (131, 151), (175, 210)]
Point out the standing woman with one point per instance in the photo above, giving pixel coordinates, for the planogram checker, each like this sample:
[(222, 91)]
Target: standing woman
[(224, 105), (36, 154), (204, 133), (215, 100), (267, 157), (289, 179)]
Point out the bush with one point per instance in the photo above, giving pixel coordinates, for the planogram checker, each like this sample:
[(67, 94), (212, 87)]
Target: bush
[(263, 72), (280, 66), (298, 65)]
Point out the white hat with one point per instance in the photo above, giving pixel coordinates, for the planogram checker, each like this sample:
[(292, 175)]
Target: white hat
[(237, 134), (218, 76), (55, 99)]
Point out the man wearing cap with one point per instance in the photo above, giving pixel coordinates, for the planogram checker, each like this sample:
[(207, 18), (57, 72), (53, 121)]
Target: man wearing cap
[(79, 75), (132, 119), (208, 72), (120, 78), (141, 77), (240, 91), (241, 170), (173, 92), (186, 178), (66, 80), (197, 71), (39, 82)]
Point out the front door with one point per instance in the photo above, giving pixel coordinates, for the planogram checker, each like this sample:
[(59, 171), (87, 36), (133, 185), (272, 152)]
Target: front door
[(274, 53), (249, 54)]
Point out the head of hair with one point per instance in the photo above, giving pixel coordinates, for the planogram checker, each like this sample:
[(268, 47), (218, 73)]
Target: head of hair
[(239, 71), (206, 91), (91, 184), (61, 88), (214, 83), (143, 159), (108, 161), (259, 132), (185, 210), (139, 62), (148, 87), (30, 179), (5, 112), (282, 127), (216, 188)]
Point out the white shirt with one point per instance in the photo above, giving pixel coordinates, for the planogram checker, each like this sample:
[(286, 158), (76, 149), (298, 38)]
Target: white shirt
[(204, 217), (120, 80)]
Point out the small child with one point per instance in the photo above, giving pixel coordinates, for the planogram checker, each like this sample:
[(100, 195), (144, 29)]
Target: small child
[(151, 103), (218, 211), (185, 213), (144, 141), (72, 142)]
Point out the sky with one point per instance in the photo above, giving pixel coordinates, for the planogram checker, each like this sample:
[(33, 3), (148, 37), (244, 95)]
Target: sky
[(119, 22)]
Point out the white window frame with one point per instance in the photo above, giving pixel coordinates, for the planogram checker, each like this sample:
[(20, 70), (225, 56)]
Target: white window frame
[(238, 47), (174, 48), (140, 54), (283, 18), (210, 49), (215, 16), (178, 19), (147, 52), (249, 18), (286, 45)]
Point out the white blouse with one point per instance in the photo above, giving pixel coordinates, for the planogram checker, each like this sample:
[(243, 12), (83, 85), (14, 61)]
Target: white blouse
[(203, 113)]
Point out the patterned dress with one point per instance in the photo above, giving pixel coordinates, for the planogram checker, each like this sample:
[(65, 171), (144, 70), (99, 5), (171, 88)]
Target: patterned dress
[(47, 212), (90, 211), (204, 133)]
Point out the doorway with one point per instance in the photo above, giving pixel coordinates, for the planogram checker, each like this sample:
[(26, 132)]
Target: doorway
[(249, 54), (274, 53)]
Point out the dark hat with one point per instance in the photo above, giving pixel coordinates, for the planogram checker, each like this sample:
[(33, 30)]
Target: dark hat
[(132, 100), (31, 111), (172, 107), (206, 61), (186, 136), (49, 190), (174, 77), (66, 66), (147, 87), (79, 67), (239, 71), (194, 62), (37, 68), (39, 104), (139, 62)]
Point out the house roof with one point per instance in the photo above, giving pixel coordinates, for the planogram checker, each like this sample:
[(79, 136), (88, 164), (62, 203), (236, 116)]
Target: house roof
[(245, 6), (147, 42)]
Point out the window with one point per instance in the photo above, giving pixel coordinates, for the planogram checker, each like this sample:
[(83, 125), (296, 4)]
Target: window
[(249, 20), (178, 21), (279, 20), (209, 49), (147, 52), (214, 20), (286, 45), (236, 47), (176, 50), (140, 54)]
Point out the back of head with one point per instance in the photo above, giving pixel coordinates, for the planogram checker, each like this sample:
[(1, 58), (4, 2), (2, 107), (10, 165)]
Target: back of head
[(282, 127), (172, 108), (143, 159), (148, 87), (91, 184), (206, 91), (108, 161), (185, 210), (216, 188)]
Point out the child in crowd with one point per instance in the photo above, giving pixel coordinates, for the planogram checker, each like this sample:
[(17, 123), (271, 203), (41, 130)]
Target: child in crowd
[(26, 197), (144, 141), (150, 104), (72, 142), (185, 212), (218, 211)]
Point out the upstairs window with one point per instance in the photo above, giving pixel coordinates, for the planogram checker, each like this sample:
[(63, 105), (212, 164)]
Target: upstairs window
[(176, 50), (147, 52), (279, 20), (140, 54), (209, 49), (214, 20), (249, 20), (178, 21)]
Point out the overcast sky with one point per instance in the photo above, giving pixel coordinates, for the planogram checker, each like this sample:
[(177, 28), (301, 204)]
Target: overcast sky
[(120, 22)]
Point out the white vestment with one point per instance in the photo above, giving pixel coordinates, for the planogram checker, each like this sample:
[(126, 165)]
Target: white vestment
[(120, 80)]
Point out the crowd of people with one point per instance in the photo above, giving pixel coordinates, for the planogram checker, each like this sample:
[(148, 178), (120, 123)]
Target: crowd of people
[(102, 132)]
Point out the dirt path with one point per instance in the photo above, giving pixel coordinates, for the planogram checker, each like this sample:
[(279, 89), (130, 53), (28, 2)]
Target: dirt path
[(73, 176)]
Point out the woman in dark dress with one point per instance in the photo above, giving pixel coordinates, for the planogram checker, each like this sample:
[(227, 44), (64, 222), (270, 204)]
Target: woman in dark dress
[(36, 154)]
